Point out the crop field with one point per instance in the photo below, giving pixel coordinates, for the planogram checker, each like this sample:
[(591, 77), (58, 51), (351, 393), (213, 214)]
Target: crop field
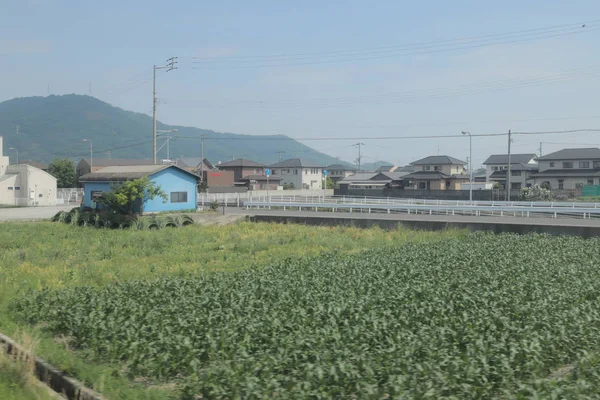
[(461, 316), (38, 256)]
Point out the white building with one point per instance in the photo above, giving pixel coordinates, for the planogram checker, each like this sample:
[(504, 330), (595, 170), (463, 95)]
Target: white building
[(499, 162), (569, 169), (25, 185), (301, 174)]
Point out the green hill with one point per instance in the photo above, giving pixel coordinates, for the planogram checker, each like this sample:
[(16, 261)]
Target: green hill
[(43, 128)]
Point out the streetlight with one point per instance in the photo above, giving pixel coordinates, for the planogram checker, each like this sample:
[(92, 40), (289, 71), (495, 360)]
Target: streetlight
[(12, 148), (91, 154), (470, 165)]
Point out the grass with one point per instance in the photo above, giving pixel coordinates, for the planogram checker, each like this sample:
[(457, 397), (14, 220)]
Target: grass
[(45, 255)]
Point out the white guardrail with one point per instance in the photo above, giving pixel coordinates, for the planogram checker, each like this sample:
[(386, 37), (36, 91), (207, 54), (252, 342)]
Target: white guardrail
[(431, 207)]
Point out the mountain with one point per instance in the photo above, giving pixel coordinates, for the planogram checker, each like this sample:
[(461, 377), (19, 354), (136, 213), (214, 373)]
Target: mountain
[(43, 128)]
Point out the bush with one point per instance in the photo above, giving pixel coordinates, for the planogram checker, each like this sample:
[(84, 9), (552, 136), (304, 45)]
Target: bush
[(214, 206), (118, 221), (536, 193)]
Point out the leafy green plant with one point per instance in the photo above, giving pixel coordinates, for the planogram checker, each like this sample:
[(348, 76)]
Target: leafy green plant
[(535, 193), (214, 205), (127, 196), (419, 320)]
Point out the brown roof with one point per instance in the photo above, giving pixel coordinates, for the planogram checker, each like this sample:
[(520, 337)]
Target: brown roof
[(127, 173)]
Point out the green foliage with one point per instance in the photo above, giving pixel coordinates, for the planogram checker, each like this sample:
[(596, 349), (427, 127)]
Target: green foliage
[(329, 183), (63, 170), (66, 120), (125, 197), (535, 193), (421, 320), (289, 186), (203, 187), (214, 205)]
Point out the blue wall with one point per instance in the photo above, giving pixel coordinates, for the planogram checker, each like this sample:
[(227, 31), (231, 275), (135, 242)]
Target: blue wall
[(173, 180), (170, 180)]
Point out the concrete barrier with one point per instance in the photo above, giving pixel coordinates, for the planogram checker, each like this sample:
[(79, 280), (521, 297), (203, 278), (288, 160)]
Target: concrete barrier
[(521, 228)]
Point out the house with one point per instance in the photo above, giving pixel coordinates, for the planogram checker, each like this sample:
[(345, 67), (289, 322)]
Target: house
[(85, 165), (25, 184), (260, 182), (194, 164), (520, 175), (569, 169), (299, 173), (337, 172), (242, 168), (178, 184), (499, 162), (36, 164), (437, 173), (387, 168), (216, 178), (374, 181)]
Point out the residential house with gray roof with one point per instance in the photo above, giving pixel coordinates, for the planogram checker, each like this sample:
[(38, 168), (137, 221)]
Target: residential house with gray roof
[(521, 167), (300, 173), (242, 167), (569, 169), (337, 172), (437, 173)]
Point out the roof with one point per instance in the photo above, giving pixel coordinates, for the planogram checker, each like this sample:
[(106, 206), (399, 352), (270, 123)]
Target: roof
[(127, 173), (395, 176), (108, 162), (36, 164), (361, 176), (573, 154), (192, 162), (260, 178), (406, 168), (7, 176), (386, 168), (341, 167), (440, 160), (514, 159), (295, 163), (427, 175), (240, 162), (557, 173)]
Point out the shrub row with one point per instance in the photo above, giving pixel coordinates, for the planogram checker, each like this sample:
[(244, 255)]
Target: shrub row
[(118, 221)]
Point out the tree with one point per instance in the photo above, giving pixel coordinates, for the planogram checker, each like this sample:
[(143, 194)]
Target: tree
[(536, 193), (124, 197), (63, 170), (329, 183)]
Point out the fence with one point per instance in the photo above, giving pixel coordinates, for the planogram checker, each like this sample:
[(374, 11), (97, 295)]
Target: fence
[(238, 199), (69, 196)]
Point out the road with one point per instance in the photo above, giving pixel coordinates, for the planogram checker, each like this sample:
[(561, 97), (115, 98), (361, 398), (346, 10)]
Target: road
[(421, 217), (31, 213)]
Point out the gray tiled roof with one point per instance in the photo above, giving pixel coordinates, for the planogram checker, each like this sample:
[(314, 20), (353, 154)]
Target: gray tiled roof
[(514, 159), (192, 162), (573, 154), (240, 162), (559, 173), (361, 176), (340, 167), (260, 178), (386, 168), (126, 173), (427, 175), (295, 163), (440, 160)]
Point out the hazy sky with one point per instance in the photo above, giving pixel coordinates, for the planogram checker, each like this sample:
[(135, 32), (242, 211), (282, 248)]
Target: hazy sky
[(321, 69)]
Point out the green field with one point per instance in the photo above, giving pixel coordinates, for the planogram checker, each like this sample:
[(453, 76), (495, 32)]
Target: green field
[(34, 256)]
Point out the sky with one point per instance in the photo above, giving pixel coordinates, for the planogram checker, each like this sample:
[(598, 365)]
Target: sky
[(314, 70)]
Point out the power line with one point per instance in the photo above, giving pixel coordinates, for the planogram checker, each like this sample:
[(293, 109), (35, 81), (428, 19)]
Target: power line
[(214, 65), (577, 25)]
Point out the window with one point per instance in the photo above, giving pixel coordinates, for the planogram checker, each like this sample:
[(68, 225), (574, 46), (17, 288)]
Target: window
[(590, 181), (567, 164), (17, 188), (561, 184), (179, 197), (427, 168), (515, 185), (596, 164), (10, 188), (40, 195), (295, 172), (274, 172), (439, 168), (422, 185), (515, 173), (551, 165), (95, 195), (494, 168), (584, 164), (256, 170)]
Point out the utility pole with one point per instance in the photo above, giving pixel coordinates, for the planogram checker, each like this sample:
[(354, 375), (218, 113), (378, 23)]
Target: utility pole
[(541, 149), (470, 165), (359, 155), (508, 170), (201, 159), (171, 65)]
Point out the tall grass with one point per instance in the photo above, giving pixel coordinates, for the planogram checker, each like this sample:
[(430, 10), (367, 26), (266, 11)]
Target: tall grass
[(40, 255)]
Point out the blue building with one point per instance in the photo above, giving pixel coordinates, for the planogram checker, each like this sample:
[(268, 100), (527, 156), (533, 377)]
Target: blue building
[(178, 184)]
